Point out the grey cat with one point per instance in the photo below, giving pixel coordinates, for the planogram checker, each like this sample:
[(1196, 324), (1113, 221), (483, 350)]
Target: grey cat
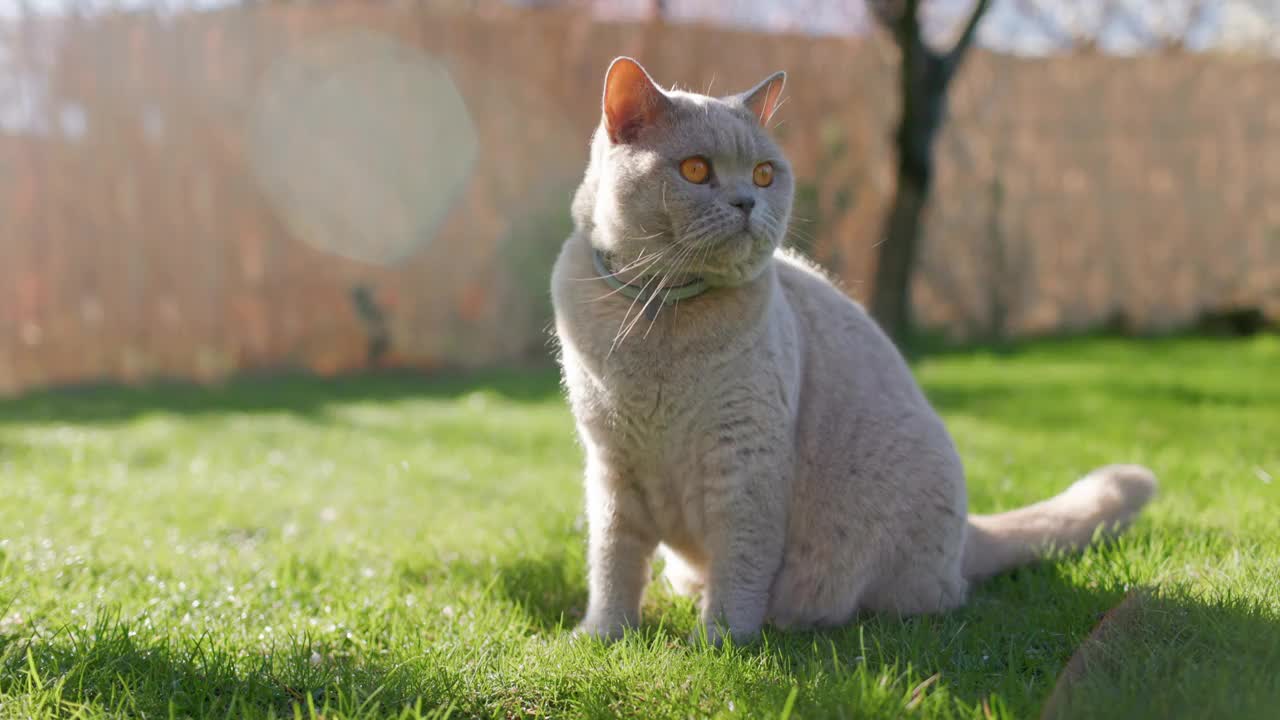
[(744, 415)]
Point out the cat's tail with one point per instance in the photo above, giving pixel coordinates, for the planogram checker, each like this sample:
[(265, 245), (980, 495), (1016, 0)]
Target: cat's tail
[(1107, 498)]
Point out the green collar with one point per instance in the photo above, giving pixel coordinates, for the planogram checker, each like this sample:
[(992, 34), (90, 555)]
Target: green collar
[(642, 292)]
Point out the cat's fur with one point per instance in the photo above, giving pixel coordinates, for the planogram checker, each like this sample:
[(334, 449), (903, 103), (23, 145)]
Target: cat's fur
[(766, 434)]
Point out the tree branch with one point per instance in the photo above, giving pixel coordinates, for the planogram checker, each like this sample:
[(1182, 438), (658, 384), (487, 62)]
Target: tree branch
[(1141, 29), (1071, 35), (957, 53), (899, 17), (886, 12), (1177, 37), (1047, 22)]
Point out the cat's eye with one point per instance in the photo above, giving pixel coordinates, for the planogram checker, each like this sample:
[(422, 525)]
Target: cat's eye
[(762, 176), (696, 170)]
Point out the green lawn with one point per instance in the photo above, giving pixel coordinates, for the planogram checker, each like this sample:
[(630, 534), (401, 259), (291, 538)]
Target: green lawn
[(391, 545)]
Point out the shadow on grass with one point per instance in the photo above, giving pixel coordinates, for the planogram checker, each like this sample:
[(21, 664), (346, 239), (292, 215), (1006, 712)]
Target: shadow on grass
[(1094, 343), (1165, 657), (293, 393), (550, 591), (308, 395), (976, 397), (1058, 406), (1018, 632), (1178, 657), (109, 670), (1012, 640)]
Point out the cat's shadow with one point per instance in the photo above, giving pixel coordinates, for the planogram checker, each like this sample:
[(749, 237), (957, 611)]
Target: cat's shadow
[(1012, 639), (548, 590)]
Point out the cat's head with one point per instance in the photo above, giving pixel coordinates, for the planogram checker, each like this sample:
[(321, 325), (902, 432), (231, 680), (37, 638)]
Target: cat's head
[(694, 178)]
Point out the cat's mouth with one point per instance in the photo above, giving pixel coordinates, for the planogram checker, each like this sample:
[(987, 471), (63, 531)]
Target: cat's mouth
[(734, 256), (737, 241), (737, 259)]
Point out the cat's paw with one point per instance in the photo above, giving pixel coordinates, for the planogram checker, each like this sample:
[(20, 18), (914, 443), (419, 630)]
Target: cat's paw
[(600, 630), (716, 635)]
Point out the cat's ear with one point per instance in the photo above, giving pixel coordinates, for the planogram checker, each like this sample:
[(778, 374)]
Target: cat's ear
[(763, 99), (631, 100)]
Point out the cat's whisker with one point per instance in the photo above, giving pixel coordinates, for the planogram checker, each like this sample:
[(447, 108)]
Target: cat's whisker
[(652, 263), (648, 262), (607, 295), (642, 259), (706, 252), (646, 237), (794, 232), (680, 266), (663, 279), (653, 318), (790, 228), (644, 310), (675, 269), (621, 335), (700, 230), (696, 228)]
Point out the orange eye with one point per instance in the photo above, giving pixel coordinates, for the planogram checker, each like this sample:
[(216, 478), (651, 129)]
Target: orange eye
[(696, 170), (763, 174)]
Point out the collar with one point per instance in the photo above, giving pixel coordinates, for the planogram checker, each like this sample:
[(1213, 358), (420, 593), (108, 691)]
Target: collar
[(633, 291)]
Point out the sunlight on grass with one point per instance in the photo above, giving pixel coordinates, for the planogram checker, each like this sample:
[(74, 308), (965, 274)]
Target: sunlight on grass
[(394, 546)]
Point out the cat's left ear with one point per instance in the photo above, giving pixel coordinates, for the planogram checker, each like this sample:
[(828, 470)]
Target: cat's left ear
[(763, 99), (632, 101)]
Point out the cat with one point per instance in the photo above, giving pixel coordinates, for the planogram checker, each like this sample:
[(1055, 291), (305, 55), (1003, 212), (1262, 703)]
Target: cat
[(743, 415)]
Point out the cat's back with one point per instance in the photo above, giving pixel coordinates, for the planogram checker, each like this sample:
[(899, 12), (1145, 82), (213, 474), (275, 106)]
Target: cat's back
[(872, 457), (841, 340), (857, 393)]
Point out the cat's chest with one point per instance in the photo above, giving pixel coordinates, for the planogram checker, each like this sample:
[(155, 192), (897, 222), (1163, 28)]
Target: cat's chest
[(666, 424), (650, 421), (662, 411), (652, 437)]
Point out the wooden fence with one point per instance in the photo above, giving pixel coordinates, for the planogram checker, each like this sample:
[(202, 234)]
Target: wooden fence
[(330, 187)]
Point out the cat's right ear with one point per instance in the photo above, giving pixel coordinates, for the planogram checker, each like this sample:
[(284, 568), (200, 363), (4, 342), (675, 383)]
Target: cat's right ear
[(764, 99), (631, 100)]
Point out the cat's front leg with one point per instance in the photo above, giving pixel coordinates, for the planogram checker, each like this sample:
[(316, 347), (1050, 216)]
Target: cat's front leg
[(621, 544), (746, 533)]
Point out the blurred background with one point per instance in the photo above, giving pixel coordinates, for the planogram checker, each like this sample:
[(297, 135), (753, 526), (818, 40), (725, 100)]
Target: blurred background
[(195, 189)]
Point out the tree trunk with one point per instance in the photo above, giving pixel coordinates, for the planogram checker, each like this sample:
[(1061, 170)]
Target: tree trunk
[(890, 300), (923, 79), (923, 93)]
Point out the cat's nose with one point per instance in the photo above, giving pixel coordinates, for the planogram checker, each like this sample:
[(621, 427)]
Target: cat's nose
[(744, 204)]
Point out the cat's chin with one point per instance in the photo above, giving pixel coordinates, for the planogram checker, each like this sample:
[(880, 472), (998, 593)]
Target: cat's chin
[(746, 261), (737, 274)]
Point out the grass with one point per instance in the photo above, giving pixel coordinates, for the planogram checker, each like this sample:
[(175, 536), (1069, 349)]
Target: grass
[(392, 546)]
